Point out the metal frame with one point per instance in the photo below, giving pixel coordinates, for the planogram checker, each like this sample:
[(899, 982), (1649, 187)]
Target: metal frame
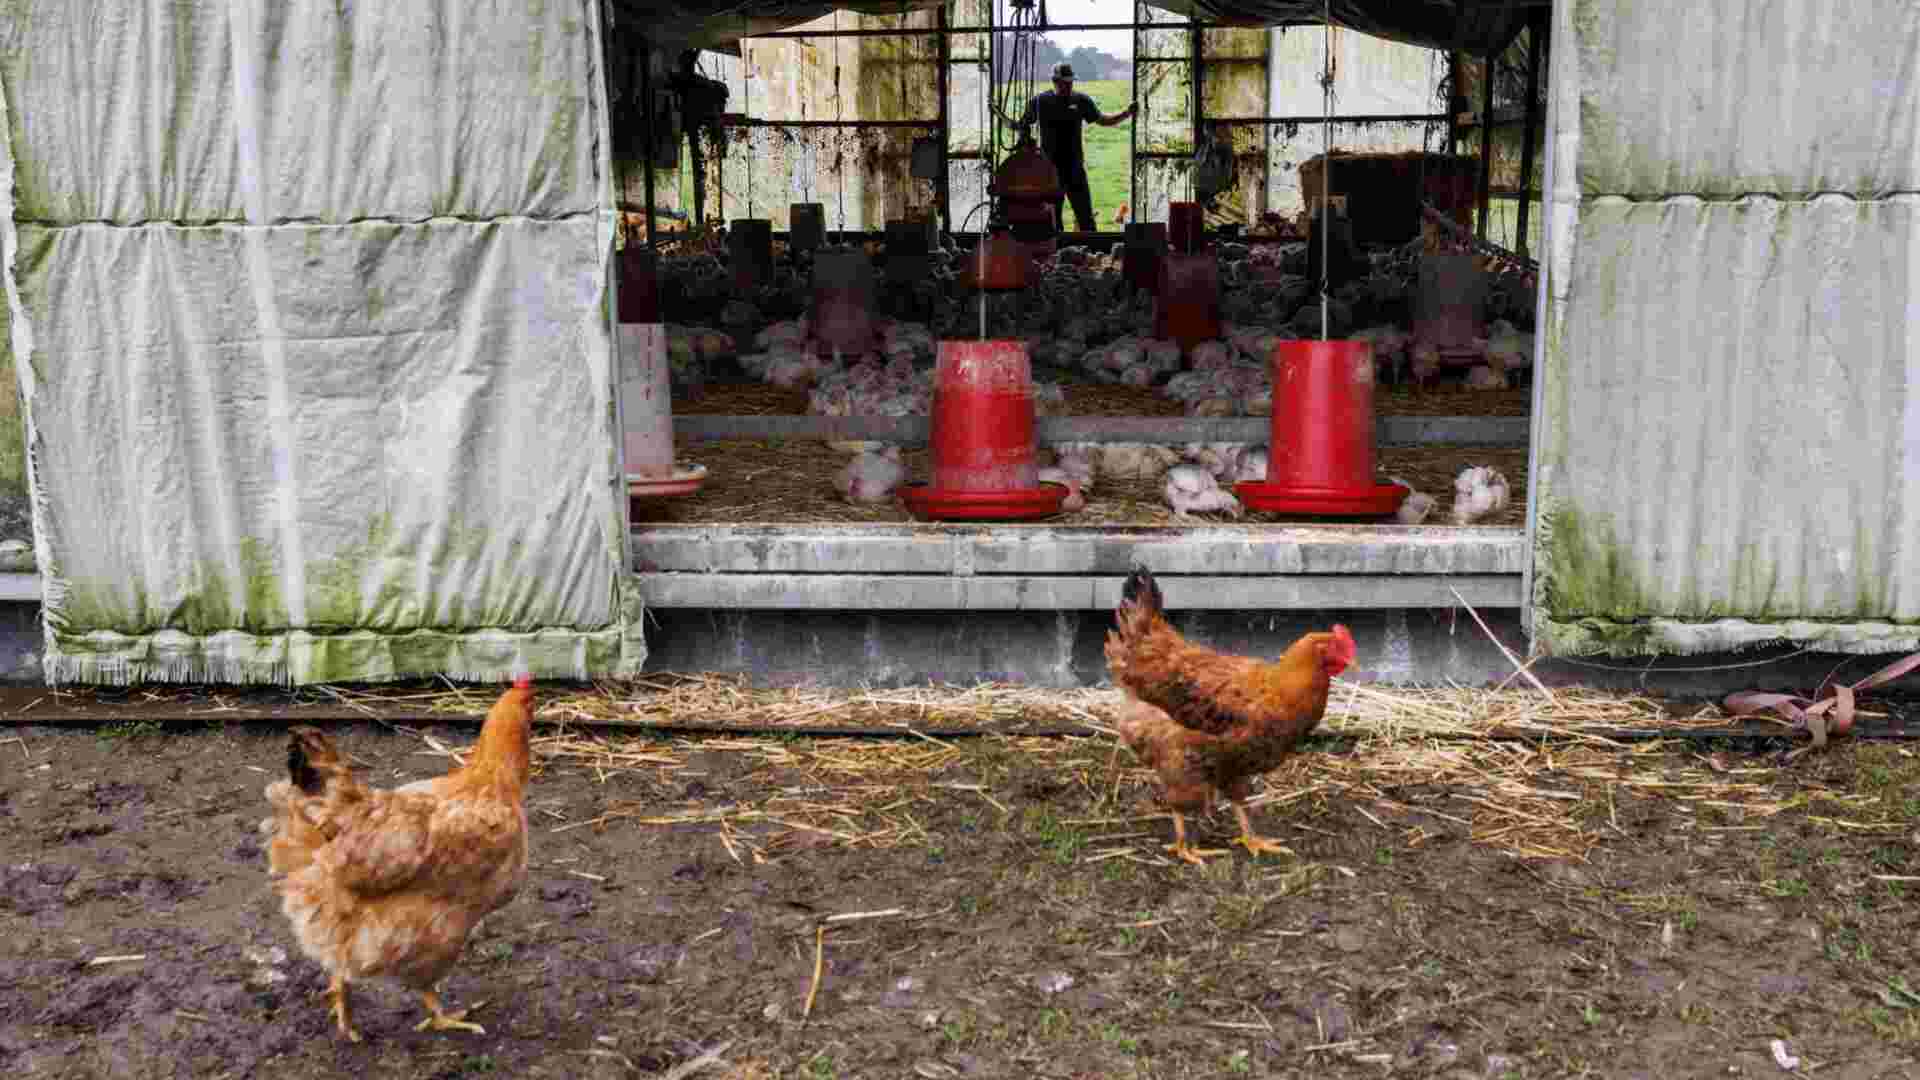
[(942, 87), (1486, 143), (1135, 26), (1536, 26), (1537, 413), (941, 123)]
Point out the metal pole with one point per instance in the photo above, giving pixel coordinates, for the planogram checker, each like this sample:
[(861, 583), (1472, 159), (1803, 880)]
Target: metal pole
[(1536, 45), (1133, 128), (646, 106), (1453, 95), (1486, 142), (941, 195), (1197, 72)]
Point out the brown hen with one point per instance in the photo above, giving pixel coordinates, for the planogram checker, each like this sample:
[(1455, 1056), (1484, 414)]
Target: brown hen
[(1208, 723), (391, 883)]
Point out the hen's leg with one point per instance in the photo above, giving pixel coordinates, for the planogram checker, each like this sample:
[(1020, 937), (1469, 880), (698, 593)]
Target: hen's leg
[(441, 1020), (342, 1014), (1179, 846), (1254, 843)]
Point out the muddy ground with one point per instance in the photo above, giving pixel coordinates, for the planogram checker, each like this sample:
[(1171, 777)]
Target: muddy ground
[(1028, 923)]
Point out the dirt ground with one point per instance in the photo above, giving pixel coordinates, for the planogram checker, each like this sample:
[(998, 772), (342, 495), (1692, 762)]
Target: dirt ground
[(989, 907)]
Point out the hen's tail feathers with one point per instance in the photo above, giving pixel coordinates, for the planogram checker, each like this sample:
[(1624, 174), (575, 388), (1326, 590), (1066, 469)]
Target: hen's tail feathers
[(1142, 591), (1134, 619), (312, 760)]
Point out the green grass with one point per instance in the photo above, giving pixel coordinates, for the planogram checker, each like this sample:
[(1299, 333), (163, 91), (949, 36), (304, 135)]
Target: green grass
[(1108, 149)]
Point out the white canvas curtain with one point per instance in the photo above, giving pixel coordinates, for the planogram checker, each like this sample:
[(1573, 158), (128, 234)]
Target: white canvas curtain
[(308, 304), (1728, 408)]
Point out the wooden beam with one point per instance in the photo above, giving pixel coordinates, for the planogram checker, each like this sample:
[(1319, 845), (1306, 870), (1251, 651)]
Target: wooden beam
[(1051, 430)]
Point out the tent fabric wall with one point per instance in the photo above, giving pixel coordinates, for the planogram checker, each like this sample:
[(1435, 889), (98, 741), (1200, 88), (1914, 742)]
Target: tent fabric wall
[(1727, 447), (309, 305)]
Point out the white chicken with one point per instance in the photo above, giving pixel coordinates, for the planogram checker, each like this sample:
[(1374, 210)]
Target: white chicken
[(1191, 489), (871, 476), (1076, 460), (1136, 460), (1163, 355), (1250, 465), (1486, 377), (1507, 348), (1478, 492), (1211, 355), (1217, 458), (1416, 507), (1076, 496), (1425, 362)]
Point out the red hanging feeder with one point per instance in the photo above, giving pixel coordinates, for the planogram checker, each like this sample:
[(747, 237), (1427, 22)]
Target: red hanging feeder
[(750, 248), (647, 415), (639, 295), (1320, 456), (1146, 246), (1027, 185), (1186, 227), (843, 304), (1188, 309), (1000, 264), (983, 437)]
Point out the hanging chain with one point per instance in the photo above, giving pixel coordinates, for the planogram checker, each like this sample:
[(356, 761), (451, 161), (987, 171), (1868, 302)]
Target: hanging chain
[(1326, 168), (746, 109), (839, 133)]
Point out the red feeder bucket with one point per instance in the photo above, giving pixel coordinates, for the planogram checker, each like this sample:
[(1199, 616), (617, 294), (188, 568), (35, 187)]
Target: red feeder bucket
[(639, 284), (750, 247), (983, 437), (843, 301), (1146, 245), (1185, 227), (1188, 310), (1320, 456)]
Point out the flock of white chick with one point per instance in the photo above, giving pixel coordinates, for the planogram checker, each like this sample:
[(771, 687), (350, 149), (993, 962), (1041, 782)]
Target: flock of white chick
[(1197, 479), (1226, 377)]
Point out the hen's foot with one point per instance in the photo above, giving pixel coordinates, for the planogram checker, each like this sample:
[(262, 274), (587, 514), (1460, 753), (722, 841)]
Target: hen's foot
[(1196, 856), (1257, 845), (441, 1020), (1252, 841), (342, 1014)]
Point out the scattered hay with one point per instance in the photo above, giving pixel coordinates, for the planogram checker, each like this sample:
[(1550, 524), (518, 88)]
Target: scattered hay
[(771, 483), (1513, 770), (1118, 399), (1450, 399), (743, 399)]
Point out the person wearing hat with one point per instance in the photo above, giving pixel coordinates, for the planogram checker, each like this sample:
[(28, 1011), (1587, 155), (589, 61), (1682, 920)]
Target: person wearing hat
[(1059, 113)]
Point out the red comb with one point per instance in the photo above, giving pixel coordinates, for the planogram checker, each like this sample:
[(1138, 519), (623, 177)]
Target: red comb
[(522, 682)]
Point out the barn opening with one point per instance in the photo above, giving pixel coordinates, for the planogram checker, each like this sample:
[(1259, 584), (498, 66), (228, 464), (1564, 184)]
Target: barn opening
[(877, 133)]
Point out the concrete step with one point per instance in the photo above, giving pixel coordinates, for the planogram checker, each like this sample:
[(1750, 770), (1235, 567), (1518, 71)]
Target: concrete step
[(1076, 568)]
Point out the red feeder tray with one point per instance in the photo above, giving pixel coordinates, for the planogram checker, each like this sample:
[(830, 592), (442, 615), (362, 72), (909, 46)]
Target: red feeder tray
[(1017, 504), (1371, 501), (685, 479), (1320, 448)]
